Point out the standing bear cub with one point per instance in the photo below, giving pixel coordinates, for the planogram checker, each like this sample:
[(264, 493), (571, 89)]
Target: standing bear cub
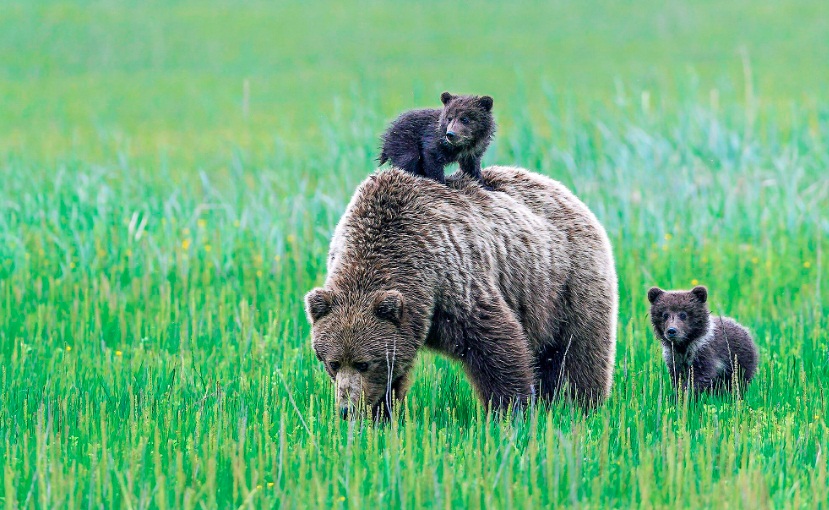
[(698, 349), (423, 142), (518, 286)]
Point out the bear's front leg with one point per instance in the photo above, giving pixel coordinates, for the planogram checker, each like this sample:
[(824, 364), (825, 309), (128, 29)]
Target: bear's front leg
[(471, 166), (497, 358), (433, 168), (703, 381), (395, 394)]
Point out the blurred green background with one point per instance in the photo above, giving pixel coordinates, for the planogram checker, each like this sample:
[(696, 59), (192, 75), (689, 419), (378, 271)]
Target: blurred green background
[(169, 76)]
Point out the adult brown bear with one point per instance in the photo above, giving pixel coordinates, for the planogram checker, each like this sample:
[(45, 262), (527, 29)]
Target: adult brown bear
[(518, 284)]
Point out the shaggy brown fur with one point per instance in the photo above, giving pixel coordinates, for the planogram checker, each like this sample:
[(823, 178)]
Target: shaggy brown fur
[(518, 284), (424, 141), (698, 348)]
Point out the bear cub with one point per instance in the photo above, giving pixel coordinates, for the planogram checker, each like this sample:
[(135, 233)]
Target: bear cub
[(423, 142), (697, 348)]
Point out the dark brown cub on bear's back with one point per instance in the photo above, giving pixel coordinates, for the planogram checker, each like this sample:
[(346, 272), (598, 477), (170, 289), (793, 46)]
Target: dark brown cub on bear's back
[(697, 348), (423, 142)]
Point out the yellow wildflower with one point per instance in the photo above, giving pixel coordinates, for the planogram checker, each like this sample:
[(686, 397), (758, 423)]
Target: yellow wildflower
[(68, 348), (201, 223), (694, 282), (118, 353), (185, 244), (807, 264)]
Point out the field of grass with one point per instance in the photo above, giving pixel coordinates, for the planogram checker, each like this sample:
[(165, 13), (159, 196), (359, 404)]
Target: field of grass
[(170, 174)]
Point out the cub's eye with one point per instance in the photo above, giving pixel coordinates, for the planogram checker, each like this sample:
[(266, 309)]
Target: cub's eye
[(683, 316), (464, 120), (361, 367), (665, 315), (335, 365)]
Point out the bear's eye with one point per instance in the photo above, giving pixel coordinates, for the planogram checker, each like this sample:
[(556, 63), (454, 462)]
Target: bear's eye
[(361, 367), (665, 315), (683, 316), (464, 120), (335, 365)]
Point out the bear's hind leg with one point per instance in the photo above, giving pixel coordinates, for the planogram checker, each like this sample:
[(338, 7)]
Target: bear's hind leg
[(409, 161), (587, 367)]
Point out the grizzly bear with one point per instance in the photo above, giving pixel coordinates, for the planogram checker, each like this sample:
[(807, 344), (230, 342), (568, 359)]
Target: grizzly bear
[(423, 142), (700, 351), (517, 284)]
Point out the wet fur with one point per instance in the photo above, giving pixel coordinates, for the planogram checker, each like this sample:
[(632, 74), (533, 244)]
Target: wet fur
[(709, 349), (518, 285), (416, 141)]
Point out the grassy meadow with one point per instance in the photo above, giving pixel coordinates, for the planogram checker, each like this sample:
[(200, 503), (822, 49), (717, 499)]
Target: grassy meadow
[(171, 172)]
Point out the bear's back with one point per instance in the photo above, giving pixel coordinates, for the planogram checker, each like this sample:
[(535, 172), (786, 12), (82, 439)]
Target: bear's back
[(527, 241)]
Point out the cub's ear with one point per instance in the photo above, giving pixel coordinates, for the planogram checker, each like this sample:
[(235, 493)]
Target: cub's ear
[(701, 293), (654, 294), (446, 97), (388, 305), (318, 303), (486, 103)]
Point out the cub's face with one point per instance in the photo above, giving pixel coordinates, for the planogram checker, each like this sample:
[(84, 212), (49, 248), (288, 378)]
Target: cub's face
[(361, 344), (679, 317), (465, 120)]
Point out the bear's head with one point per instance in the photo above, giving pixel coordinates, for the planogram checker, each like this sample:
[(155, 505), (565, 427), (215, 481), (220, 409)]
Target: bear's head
[(679, 317), (466, 120), (361, 340)]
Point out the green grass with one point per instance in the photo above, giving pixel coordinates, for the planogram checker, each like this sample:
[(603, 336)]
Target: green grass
[(157, 236)]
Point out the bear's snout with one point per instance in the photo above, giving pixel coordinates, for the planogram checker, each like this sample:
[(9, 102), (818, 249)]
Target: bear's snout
[(349, 391)]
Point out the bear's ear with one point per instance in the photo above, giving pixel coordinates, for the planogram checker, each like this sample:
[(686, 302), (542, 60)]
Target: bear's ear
[(654, 294), (318, 303), (445, 97), (486, 103), (701, 293), (388, 305)]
